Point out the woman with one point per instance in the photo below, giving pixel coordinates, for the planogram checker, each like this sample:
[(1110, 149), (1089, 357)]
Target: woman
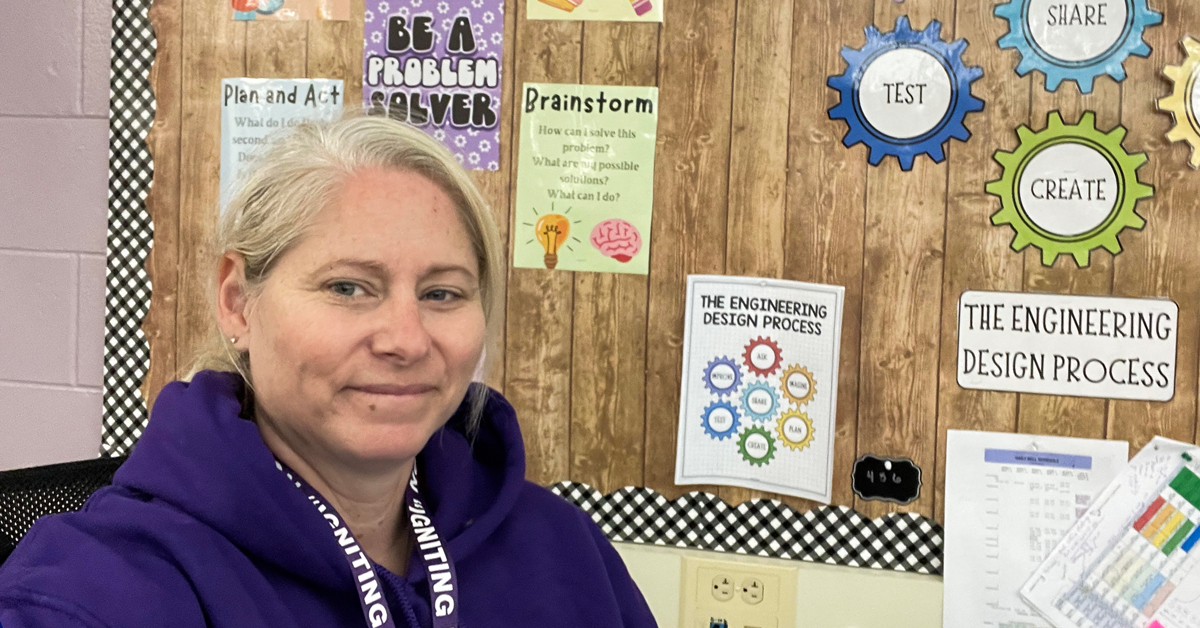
[(332, 464)]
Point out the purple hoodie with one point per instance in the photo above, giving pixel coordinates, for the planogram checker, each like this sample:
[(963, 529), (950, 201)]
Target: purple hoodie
[(200, 529)]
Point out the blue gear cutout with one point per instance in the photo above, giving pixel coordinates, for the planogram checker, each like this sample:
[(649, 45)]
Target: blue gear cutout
[(1139, 16), (708, 428), (737, 376), (770, 390), (931, 143)]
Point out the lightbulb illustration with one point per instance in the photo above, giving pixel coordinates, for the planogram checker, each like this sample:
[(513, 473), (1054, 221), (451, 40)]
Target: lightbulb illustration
[(565, 5), (552, 231)]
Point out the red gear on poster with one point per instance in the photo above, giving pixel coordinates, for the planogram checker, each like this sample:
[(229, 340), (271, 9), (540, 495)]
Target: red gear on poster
[(776, 356)]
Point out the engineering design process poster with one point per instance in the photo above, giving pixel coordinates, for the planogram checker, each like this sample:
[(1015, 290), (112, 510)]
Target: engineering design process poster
[(759, 394)]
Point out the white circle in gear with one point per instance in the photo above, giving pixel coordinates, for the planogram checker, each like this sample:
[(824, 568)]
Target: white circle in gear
[(892, 97), (759, 401), (1064, 170), (1193, 103), (757, 446), (795, 429), (722, 376), (762, 357), (1072, 31), (720, 420), (797, 385)]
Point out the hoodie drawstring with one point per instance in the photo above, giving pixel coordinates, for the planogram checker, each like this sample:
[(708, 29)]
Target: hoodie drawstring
[(408, 609)]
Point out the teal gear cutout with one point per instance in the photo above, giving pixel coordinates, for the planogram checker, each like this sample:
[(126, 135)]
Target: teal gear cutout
[(771, 392), (707, 423), (1139, 16), (930, 143)]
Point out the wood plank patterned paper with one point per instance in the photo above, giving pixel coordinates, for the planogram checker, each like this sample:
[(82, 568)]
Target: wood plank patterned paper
[(751, 177)]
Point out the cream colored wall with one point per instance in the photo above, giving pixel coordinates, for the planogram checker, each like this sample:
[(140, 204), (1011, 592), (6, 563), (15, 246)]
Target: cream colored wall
[(827, 596)]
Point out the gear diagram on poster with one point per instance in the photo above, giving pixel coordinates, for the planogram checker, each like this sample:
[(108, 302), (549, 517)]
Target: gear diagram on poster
[(1069, 189), (1076, 42), (760, 402), (720, 420), (762, 356), (905, 93), (795, 430), (798, 384), (748, 397), (757, 446), (1184, 98), (722, 376)]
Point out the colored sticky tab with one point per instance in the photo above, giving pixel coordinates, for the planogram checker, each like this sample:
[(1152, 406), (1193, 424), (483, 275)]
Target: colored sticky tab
[(1155, 624), (1150, 512), (1191, 540), (1139, 582), (1135, 567), (1165, 532), (1178, 537), (1156, 523), (1188, 486), (1118, 568), (1142, 599), (1163, 592)]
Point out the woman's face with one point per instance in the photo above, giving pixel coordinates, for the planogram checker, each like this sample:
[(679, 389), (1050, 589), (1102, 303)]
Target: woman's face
[(366, 333)]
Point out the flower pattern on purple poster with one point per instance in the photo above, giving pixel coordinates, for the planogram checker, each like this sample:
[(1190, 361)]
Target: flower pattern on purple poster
[(436, 64)]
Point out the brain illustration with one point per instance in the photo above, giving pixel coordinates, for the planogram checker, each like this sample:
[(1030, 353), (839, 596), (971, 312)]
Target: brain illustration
[(617, 239)]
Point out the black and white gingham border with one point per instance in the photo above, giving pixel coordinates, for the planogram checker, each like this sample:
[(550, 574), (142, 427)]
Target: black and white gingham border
[(130, 233), (830, 534)]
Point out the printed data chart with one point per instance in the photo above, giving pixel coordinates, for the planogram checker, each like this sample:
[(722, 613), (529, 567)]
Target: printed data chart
[(1035, 506), (1010, 499), (1144, 567)]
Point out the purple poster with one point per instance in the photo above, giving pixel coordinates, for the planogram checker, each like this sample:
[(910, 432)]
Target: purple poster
[(436, 64)]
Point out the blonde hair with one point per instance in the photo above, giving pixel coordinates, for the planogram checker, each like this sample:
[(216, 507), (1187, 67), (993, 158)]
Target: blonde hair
[(300, 173)]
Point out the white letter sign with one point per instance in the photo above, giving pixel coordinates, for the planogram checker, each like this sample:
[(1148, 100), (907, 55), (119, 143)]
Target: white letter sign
[(1054, 344)]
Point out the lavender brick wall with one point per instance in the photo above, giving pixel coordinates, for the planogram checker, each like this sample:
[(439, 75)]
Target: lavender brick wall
[(53, 217)]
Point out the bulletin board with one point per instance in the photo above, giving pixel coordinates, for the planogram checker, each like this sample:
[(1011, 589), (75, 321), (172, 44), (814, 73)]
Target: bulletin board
[(751, 178)]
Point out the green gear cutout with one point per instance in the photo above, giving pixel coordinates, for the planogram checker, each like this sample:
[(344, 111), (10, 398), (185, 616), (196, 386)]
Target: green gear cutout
[(757, 461), (1129, 189)]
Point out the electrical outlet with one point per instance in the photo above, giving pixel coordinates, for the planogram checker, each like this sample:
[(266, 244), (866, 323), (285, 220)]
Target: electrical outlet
[(737, 592), (722, 588), (752, 591)]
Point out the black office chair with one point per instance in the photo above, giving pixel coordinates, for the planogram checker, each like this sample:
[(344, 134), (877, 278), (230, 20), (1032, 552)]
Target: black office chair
[(26, 494)]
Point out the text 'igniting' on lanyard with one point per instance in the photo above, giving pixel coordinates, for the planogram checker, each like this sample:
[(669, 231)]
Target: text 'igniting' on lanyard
[(443, 581)]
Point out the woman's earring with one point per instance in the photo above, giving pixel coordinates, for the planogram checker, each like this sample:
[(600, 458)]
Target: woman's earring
[(233, 340)]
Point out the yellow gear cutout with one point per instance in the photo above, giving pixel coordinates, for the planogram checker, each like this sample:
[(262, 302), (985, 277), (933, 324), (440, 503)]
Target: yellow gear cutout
[(795, 430), (1183, 101), (798, 384)]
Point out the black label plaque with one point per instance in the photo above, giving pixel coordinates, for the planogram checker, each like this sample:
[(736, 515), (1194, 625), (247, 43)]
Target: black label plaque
[(896, 480)]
